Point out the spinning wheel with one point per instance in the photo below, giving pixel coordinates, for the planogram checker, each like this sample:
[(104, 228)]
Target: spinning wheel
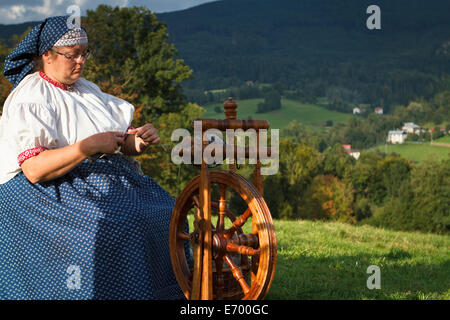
[(234, 253)]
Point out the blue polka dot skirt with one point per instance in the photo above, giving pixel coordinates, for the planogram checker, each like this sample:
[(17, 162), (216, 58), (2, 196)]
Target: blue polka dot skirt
[(99, 232)]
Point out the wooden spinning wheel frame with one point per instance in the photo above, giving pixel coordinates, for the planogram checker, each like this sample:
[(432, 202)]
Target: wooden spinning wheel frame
[(227, 262)]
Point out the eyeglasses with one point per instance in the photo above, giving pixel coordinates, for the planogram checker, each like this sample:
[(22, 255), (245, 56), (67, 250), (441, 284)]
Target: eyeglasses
[(83, 56)]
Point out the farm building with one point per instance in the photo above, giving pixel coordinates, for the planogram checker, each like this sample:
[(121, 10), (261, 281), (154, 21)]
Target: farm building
[(379, 110), (354, 153), (410, 127), (396, 136)]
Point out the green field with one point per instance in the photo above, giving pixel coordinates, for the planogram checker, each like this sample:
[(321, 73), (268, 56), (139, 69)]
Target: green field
[(311, 115), (445, 139), (417, 152), (328, 260)]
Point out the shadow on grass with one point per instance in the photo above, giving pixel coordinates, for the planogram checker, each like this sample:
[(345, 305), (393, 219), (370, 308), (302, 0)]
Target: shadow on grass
[(304, 277)]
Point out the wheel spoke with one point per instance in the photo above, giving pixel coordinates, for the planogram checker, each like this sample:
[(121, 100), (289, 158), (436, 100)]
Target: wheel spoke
[(196, 201), (197, 274), (246, 239), (222, 208), (237, 274), (198, 257), (239, 222), (231, 247), (228, 213)]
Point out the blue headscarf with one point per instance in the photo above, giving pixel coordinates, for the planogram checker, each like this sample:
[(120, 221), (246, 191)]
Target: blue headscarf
[(40, 39)]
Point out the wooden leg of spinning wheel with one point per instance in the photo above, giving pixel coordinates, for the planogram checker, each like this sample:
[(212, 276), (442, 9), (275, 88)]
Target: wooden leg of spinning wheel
[(198, 258), (205, 202)]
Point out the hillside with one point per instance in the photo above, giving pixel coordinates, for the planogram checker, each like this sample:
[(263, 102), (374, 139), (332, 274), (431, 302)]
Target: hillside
[(313, 116), (317, 46), (321, 47), (416, 152), (329, 260)]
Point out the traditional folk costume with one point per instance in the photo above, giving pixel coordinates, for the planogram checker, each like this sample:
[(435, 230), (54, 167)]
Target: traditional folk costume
[(101, 230)]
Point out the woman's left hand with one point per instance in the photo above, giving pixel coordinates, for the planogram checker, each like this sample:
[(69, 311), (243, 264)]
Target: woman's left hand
[(145, 136)]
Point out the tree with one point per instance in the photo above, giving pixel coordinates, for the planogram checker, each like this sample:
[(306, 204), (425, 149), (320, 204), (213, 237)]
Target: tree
[(272, 101), (422, 203), (337, 161), (132, 58), (299, 163), (388, 177), (5, 85), (327, 198), (157, 163)]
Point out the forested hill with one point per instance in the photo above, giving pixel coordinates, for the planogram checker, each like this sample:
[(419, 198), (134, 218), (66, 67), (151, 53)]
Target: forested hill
[(317, 47)]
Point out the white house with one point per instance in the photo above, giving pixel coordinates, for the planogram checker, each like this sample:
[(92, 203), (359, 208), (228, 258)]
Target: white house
[(410, 127), (354, 153), (396, 136), (379, 110)]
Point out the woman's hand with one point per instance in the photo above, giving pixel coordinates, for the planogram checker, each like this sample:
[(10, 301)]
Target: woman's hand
[(144, 136), (105, 142)]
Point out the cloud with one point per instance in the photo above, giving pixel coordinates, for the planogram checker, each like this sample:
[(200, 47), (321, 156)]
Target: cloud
[(37, 10)]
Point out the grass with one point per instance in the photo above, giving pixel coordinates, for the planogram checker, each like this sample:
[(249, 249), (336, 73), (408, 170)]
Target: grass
[(313, 116), (318, 260), (444, 139), (417, 152), (329, 260)]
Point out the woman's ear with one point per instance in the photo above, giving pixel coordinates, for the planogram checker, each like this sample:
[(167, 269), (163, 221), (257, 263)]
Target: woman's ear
[(47, 57)]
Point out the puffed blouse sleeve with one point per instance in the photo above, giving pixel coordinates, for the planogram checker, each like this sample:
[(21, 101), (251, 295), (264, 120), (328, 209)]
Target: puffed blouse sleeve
[(119, 109), (31, 129)]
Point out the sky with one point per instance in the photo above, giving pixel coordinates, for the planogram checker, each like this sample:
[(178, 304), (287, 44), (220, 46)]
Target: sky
[(18, 11)]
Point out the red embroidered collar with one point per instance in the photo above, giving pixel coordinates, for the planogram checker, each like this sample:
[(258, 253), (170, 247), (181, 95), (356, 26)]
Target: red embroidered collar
[(60, 85)]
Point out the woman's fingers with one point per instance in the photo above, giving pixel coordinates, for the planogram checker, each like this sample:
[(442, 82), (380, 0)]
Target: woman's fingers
[(157, 140), (148, 133)]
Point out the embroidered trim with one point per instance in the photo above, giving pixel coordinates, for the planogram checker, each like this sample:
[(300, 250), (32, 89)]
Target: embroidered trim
[(126, 132), (27, 154), (56, 83)]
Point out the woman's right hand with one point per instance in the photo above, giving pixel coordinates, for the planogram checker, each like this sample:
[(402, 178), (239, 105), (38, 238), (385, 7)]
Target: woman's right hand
[(105, 142)]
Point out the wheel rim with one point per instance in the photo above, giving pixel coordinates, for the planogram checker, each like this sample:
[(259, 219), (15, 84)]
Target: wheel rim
[(255, 250)]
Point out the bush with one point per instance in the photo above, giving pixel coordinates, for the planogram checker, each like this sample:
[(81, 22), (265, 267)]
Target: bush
[(363, 209), (422, 203), (327, 198), (218, 109), (272, 101)]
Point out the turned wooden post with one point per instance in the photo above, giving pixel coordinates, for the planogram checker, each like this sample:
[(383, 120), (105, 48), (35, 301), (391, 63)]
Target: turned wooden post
[(205, 202), (230, 108)]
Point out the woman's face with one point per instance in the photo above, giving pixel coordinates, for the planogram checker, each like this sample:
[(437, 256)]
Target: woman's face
[(59, 66)]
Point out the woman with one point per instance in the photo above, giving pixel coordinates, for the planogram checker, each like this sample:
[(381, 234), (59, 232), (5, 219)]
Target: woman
[(77, 219)]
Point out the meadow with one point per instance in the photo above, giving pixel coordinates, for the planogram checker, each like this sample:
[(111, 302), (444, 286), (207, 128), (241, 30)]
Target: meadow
[(329, 260), (417, 152), (311, 115), (444, 139), (319, 260)]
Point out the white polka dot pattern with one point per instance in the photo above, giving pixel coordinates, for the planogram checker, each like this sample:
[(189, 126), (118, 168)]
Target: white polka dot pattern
[(99, 232), (19, 63)]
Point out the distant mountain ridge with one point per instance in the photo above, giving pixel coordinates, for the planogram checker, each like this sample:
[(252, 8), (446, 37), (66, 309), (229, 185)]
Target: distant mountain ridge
[(314, 45), (318, 45)]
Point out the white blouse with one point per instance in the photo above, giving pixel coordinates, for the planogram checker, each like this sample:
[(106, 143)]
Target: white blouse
[(37, 115)]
